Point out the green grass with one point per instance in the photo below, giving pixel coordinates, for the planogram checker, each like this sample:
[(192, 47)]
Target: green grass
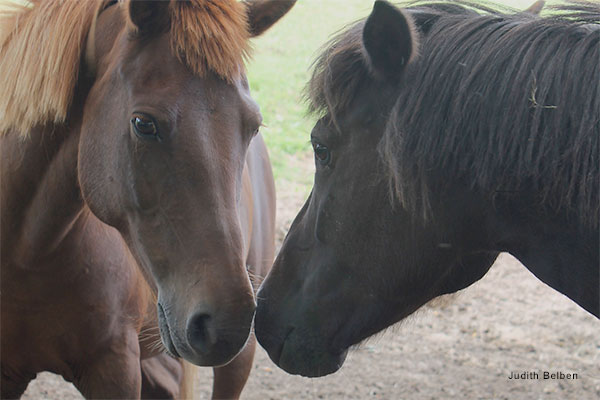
[(281, 66)]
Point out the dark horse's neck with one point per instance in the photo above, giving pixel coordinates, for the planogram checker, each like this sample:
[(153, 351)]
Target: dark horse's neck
[(559, 253)]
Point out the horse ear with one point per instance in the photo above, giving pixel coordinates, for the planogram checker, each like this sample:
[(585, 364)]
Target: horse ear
[(150, 16), (262, 14), (389, 40), (535, 8)]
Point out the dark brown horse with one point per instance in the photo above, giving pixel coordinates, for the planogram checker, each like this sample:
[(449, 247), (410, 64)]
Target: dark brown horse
[(133, 175), (486, 125)]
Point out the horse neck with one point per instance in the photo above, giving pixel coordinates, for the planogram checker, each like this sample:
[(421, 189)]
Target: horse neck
[(556, 251), (41, 199)]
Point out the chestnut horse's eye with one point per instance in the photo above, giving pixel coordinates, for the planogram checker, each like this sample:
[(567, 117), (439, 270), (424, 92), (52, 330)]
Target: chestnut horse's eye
[(322, 153), (144, 127)]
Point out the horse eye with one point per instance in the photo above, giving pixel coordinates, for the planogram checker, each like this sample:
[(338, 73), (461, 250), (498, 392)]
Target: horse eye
[(322, 153), (144, 127)]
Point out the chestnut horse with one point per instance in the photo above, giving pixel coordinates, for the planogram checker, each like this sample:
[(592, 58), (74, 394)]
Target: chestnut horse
[(485, 126), (136, 193)]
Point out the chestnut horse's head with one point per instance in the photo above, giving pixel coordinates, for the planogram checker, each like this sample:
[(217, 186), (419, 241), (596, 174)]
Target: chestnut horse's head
[(164, 136)]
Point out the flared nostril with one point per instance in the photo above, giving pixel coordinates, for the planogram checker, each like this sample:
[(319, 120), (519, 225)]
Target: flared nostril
[(201, 333)]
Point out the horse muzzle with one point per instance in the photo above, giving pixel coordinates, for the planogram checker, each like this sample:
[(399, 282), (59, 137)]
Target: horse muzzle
[(205, 338), (297, 351)]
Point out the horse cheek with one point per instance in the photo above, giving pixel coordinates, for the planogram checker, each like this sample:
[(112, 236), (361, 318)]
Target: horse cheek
[(102, 187)]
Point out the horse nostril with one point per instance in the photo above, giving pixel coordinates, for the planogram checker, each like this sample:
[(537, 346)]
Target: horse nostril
[(201, 332)]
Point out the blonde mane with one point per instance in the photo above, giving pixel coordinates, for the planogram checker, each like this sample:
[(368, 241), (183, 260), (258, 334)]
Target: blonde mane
[(40, 51), (42, 43)]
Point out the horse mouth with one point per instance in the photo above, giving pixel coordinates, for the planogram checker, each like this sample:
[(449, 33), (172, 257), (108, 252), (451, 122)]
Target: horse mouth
[(275, 355), (165, 333), (296, 357)]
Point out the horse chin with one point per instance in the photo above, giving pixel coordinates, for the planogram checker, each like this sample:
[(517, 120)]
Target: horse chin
[(169, 346), (215, 359), (222, 354), (299, 358), (165, 333)]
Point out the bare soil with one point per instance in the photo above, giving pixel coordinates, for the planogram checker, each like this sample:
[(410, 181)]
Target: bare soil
[(461, 346)]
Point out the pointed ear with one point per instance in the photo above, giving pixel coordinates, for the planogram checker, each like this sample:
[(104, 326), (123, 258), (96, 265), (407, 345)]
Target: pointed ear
[(150, 16), (389, 40), (535, 8), (262, 14)]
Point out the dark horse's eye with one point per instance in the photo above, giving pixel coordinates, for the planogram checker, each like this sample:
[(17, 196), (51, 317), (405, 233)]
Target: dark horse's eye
[(144, 127), (322, 153)]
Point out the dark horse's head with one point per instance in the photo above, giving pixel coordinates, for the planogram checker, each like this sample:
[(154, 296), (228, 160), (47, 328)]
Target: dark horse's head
[(367, 250), (166, 127)]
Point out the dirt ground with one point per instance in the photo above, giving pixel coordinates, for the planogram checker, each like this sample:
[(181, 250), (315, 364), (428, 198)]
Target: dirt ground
[(462, 346)]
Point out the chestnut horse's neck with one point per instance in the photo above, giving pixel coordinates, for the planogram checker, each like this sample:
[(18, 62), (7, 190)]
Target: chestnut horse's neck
[(40, 195)]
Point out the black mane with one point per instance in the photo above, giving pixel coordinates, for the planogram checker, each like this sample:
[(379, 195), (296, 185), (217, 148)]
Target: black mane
[(341, 69), (338, 73), (503, 102)]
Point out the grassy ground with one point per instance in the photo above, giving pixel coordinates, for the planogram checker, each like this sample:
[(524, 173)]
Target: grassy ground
[(280, 68)]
